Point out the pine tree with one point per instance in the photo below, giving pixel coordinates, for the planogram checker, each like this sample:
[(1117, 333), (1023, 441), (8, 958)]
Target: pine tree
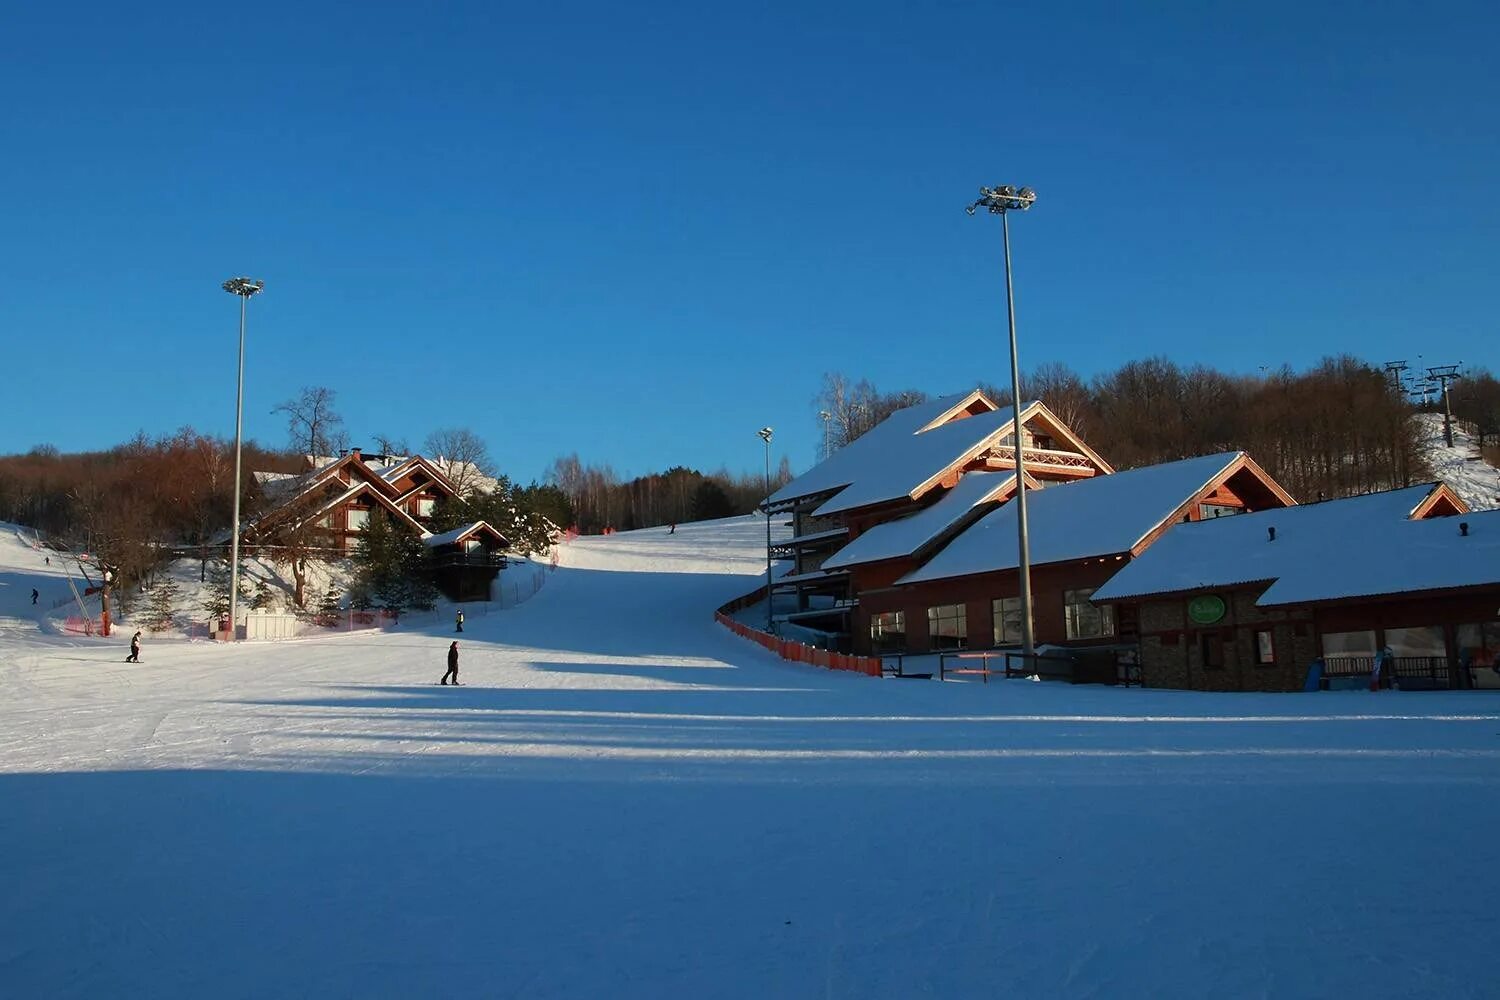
[(328, 612), (216, 597), (159, 604), (262, 597)]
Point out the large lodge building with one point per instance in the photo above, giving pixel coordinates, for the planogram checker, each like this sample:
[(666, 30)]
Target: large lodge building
[(905, 541)]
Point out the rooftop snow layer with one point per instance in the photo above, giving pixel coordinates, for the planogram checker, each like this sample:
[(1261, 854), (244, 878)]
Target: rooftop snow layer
[(895, 539), (896, 456), (1101, 516), (450, 537), (1232, 550)]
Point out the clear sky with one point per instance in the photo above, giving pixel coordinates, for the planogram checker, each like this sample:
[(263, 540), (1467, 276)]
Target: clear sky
[(641, 232)]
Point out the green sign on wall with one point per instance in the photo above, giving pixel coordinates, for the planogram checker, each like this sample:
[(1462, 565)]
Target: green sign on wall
[(1206, 609)]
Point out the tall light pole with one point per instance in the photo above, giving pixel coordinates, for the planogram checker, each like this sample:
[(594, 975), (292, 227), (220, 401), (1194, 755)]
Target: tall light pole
[(825, 416), (244, 288), (765, 435), (1001, 201)]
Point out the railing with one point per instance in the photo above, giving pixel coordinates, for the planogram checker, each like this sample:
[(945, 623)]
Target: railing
[(1041, 456), (790, 649), (1433, 670), (483, 560)]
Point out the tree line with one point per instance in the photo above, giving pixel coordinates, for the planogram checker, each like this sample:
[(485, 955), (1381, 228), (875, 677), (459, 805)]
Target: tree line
[(602, 500), (1338, 428)]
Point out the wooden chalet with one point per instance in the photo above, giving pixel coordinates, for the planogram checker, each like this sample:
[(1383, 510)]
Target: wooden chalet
[(908, 463), (330, 505), (1250, 604)]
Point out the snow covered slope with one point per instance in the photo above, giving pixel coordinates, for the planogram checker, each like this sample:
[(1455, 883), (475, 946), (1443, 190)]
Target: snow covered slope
[(625, 800), (1461, 466)]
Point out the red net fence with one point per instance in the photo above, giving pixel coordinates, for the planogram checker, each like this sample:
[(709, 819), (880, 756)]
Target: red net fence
[(791, 649)]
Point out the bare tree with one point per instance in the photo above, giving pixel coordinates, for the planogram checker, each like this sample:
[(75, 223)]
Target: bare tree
[(392, 446), (313, 427), (462, 455)]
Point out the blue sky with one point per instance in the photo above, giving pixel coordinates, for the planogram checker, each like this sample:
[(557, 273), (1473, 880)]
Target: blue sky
[(643, 234)]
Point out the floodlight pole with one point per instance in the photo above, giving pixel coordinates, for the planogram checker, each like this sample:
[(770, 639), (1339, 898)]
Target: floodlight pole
[(1001, 200), (244, 288), (765, 435), (827, 441)]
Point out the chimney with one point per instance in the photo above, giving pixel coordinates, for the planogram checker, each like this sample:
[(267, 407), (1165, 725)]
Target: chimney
[(354, 452), (1272, 533), (1463, 529)]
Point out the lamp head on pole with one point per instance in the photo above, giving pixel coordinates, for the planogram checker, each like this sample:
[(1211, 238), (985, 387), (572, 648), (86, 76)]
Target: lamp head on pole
[(244, 287), (1003, 198), (764, 434)]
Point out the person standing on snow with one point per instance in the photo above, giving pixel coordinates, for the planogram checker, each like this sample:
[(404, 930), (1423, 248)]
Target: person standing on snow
[(459, 619), (34, 595), (452, 664), (135, 649)]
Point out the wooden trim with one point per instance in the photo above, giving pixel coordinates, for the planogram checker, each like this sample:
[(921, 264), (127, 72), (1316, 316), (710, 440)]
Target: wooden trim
[(1440, 492), (1039, 408)]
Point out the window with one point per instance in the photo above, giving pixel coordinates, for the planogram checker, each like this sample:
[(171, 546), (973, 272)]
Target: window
[(1208, 511), (424, 506), (1479, 651), (948, 627), (1265, 648), (357, 519), (1085, 620), (1424, 640), (888, 632), (1007, 612), (1343, 645)]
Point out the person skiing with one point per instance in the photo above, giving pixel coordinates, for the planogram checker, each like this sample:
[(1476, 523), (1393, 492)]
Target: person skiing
[(672, 530), (34, 595), (459, 619), (452, 664), (135, 649), (49, 560)]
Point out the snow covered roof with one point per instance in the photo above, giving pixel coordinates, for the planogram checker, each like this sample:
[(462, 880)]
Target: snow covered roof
[(459, 534), (1105, 515), (903, 537), (859, 456), (1356, 547), (905, 452)]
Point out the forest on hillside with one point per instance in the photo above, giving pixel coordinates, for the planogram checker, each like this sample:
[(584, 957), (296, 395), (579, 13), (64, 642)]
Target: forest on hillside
[(1338, 428)]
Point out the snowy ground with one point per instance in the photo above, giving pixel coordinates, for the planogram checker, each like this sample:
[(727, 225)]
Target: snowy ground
[(1461, 466), (627, 801)]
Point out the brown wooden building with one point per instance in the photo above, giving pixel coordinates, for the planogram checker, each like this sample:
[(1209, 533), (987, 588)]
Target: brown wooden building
[(1251, 604)]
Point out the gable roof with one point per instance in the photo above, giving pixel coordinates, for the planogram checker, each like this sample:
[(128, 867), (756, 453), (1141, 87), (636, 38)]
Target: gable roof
[(1102, 516), (908, 535), (1359, 546), (459, 534), (869, 453)]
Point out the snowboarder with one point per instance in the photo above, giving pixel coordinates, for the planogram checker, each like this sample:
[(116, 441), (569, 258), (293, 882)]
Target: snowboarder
[(458, 619), (135, 649), (452, 664), (34, 595)]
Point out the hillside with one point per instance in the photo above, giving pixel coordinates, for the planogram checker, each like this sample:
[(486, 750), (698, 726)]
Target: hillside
[(1460, 466)]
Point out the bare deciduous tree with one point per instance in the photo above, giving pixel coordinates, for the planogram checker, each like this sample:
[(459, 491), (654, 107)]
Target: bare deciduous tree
[(313, 427), (462, 455)]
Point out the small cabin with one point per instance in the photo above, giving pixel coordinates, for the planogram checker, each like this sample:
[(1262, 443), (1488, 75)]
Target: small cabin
[(466, 560)]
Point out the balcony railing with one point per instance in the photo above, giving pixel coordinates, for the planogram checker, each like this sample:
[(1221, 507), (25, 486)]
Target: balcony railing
[(1040, 456), (478, 560)]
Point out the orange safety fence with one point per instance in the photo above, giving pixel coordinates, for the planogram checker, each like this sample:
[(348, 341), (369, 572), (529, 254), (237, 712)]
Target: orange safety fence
[(791, 649)]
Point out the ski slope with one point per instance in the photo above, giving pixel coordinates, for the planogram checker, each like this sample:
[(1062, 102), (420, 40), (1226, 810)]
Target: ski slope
[(624, 800)]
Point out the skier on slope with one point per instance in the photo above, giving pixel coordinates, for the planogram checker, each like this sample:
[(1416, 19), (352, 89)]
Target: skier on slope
[(135, 649), (452, 664), (458, 620), (34, 595)]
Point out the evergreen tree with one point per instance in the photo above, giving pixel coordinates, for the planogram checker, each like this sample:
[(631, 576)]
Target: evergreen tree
[(262, 598), (328, 612), (159, 604), (216, 597)]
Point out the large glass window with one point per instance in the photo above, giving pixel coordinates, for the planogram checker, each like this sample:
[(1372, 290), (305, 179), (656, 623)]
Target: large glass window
[(1007, 612), (358, 519), (1425, 640), (948, 627), (888, 632), (1479, 651), (425, 506), (1085, 620), (1338, 645), (1209, 511)]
